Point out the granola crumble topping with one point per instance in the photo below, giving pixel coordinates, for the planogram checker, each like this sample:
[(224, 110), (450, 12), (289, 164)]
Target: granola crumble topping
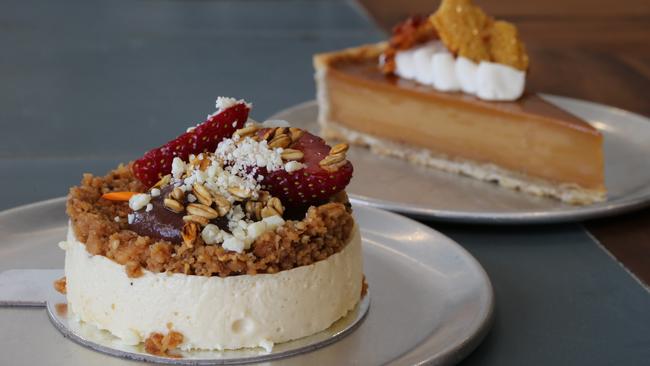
[(324, 231)]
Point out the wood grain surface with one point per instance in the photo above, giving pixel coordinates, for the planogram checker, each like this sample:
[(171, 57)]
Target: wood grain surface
[(595, 50)]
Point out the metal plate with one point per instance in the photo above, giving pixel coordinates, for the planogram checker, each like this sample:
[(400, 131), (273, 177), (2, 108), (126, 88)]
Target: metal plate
[(102, 341), (432, 303), (396, 185)]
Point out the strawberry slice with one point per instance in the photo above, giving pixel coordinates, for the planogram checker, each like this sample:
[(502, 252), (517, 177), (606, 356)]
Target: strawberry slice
[(205, 137), (312, 184)]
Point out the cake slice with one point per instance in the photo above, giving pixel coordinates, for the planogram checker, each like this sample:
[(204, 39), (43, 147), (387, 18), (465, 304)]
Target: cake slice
[(526, 143)]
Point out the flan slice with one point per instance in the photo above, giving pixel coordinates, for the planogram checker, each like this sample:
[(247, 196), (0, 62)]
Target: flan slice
[(528, 144)]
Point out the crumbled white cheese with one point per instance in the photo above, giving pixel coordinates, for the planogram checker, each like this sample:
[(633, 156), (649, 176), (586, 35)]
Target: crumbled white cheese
[(234, 244), (178, 167), (149, 207), (223, 103), (130, 218), (273, 222), (116, 219), (155, 192), (256, 229), (211, 234), (292, 166), (191, 198), (138, 201)]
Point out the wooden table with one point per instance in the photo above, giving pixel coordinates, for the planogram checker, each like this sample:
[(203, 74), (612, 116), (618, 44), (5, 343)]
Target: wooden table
[(592, 50)]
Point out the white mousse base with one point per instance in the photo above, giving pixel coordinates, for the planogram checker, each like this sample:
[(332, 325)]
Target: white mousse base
[(213, 312)]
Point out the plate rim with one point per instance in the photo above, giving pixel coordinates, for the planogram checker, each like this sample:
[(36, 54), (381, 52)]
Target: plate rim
[(451, 353), (578, 214)]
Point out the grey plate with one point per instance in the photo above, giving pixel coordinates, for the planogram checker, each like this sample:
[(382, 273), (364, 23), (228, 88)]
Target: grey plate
[(432, 303), (396, 185)]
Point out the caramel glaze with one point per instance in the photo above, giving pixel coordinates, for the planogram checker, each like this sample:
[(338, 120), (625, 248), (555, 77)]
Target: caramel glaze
[(367, 71)]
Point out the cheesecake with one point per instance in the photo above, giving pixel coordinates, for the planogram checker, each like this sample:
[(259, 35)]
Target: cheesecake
[(440, 100), (232, 235)]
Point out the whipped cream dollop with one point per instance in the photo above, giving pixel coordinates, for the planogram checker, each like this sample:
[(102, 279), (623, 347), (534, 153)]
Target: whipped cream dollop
[(432, 64)]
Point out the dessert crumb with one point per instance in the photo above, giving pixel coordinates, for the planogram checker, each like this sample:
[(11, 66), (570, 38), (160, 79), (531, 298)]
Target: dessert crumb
[(60, 285), (159, 344)]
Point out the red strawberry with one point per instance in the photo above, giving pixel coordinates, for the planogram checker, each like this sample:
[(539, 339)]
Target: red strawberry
[(205, 137), (312, 184)]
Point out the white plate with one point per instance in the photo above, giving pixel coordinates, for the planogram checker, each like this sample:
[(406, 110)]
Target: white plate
[(396, 185), (432, 303)]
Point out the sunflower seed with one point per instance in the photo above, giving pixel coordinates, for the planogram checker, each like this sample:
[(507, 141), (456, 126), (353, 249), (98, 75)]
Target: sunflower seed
[(163, 181), (196, 219), (239, 193), (280, 141), (200, 209), (339, 148), (173, 205), (223, 205), (202, 194), (246, 131), (295, 133), (177, 194), (291, 154)]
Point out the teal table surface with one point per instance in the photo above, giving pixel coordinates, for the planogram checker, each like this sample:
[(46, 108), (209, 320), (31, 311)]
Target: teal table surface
[(86, 85)]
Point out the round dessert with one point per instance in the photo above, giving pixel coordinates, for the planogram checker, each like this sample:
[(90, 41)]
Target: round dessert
[(232, 235)]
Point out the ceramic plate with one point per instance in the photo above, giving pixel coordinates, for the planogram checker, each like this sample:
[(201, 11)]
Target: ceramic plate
[(432, 303), (422, 192)]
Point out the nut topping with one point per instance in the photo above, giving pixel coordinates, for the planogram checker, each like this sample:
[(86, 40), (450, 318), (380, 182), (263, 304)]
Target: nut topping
[(273, 208), (163, 181), (189, 233), (196, 219), (291, 154), (223, 205), (282, 141), (200, 209), (177, 194), (254, 210), (339, 148), (202, 194), (239, 193), (173, 205), (246, 131), (295, 133)]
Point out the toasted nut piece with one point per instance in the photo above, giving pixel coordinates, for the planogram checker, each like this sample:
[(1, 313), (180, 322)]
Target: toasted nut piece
[(263, 196), (173, 205), (254, 210), (334, 167), (205, 163), (223, 205), (202, 194), (246, 131), (280, 131), (292, 154), (295, 133), (200, 209), (269, 211), (280, 141), (163, 181), (339, 148), (177, 194), (189, 233), (239, 193), (196, 219), (267, 135), (276, 205), (332, 159)]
